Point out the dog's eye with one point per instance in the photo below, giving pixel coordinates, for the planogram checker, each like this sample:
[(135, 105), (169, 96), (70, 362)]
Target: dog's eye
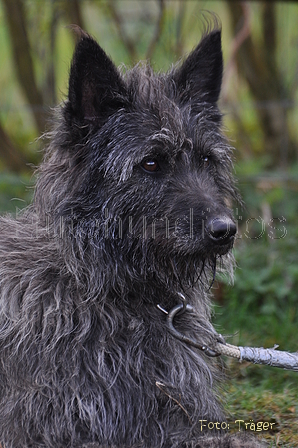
[(206, 162), (150, 165)]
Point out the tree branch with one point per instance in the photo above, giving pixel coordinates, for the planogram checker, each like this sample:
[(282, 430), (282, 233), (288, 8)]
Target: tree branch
[(158, 30), (15, 17), (10, 156), (258, 66), (241, 35), (128, 43), (74, 12)]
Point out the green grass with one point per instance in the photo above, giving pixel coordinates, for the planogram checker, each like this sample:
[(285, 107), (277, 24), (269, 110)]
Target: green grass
[(254, 404)]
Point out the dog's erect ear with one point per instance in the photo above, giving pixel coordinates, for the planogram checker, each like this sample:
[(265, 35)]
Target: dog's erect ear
[(96, 88), (201, 73)]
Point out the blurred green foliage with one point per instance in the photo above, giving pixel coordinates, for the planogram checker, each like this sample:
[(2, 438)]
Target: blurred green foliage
[(16, 192), (261, 307)]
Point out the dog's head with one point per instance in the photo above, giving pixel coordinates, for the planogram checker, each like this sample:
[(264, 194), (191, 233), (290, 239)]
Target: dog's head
[(142, 160)]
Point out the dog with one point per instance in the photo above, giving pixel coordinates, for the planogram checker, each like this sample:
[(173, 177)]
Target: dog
[(105, 277)]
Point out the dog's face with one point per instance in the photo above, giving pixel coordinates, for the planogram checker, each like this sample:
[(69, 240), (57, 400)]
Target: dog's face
[(150, 165)]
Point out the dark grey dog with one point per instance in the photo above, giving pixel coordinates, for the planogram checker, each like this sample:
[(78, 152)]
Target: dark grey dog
[(130, 212)]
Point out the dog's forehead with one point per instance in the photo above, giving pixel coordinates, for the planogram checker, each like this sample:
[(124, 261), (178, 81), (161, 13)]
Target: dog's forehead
[(150, 90), (155, 98)]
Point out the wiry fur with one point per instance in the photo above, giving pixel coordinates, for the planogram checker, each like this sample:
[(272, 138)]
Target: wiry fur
[(85, 355)]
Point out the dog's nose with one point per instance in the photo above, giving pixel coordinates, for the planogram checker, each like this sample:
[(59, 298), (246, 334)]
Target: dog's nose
[(221, 230)]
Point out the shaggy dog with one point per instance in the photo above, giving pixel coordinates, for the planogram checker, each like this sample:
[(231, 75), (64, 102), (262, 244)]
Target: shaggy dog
[(130, 218)]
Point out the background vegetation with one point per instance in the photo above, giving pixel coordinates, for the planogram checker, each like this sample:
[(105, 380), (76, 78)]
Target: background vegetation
[(259, 98)]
